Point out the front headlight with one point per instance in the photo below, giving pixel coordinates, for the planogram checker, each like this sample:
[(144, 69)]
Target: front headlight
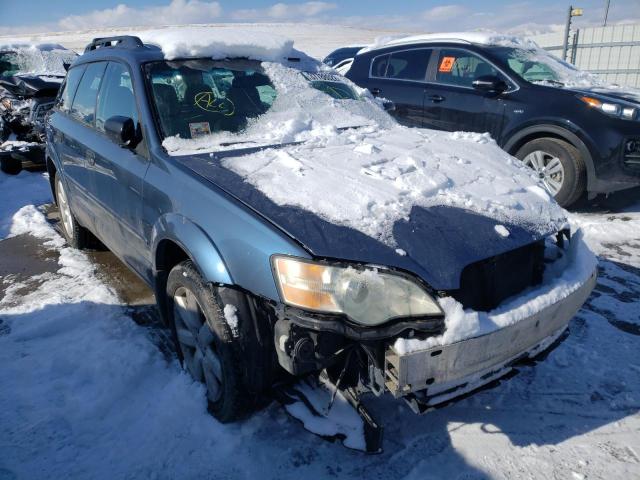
[(367, 296), (612, 109)]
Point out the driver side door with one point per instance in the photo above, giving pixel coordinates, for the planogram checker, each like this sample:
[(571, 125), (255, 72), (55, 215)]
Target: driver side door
[(452, 103)]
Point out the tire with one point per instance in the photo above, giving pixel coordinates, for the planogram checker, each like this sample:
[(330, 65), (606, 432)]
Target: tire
[(76, 236), (207, 347), (10, 165), (565, 160)]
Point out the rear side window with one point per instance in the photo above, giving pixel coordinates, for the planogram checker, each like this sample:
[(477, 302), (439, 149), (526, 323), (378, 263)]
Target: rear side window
[(70, 87), (116, 95), (84, 102), (409, 64), (402, 65), (460, 67), (379, 66)]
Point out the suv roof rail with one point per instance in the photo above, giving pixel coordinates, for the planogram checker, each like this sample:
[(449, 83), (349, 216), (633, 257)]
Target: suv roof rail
[(122, 41)]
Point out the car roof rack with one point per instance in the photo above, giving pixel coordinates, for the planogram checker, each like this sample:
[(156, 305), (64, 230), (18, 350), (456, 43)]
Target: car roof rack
[(121, 41)]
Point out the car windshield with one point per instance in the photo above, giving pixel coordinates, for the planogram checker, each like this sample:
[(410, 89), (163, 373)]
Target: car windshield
[(210, 104), (536, 65)]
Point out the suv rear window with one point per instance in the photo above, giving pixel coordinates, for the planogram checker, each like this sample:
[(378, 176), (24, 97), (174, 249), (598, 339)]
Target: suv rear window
[(84, 102)]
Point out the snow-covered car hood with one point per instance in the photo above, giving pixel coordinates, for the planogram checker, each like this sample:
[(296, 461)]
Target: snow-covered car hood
[(425, 201)]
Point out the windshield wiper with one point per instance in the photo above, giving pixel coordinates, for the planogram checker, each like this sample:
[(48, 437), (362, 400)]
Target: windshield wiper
[(555, 82)]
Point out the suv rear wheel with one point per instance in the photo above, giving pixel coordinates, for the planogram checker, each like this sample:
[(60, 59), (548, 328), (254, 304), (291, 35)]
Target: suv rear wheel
[(558, 165), (206, 346), (76, 236)]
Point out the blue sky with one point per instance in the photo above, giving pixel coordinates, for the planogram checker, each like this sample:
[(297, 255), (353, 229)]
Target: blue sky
[(522, 15)]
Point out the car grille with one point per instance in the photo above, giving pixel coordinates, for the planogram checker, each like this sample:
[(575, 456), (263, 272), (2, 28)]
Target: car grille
[(632, 154), (487, 283)]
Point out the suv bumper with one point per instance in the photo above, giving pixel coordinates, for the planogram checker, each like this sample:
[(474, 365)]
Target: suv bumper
[(442, 373)]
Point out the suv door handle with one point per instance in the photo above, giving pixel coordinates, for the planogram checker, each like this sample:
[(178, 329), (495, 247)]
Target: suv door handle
[(436, 98), (375, 91), (91, 157)]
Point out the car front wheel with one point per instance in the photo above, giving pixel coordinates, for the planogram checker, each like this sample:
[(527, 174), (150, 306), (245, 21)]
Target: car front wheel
[(206, 344), (559, 166)]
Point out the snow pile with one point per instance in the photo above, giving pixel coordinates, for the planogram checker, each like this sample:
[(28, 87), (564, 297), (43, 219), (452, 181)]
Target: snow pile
[(561, 279), (230, 315), (20, 190), (482, 38), (384, 173), (17, 145), (218, 43)]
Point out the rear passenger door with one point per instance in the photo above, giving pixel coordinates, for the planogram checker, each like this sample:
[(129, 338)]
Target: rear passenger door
[(117, 173), (77, 151), (400, 76), (451, 103)]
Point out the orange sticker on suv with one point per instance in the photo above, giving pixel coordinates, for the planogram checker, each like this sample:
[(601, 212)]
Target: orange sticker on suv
[(446, 64)]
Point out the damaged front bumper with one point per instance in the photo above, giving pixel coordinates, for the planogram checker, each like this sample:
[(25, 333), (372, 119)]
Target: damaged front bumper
[(436, 375)]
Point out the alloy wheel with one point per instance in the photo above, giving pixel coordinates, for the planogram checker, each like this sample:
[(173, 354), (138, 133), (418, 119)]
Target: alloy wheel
[(65, 210), (196, 342), (549, 169)]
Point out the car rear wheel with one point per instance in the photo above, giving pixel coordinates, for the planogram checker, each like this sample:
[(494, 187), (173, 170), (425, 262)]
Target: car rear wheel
[(76, 236), (206, 346), (559, 166)]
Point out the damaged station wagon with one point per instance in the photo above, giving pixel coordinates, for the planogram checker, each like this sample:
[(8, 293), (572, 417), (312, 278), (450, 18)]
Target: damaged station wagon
[(291, 228)]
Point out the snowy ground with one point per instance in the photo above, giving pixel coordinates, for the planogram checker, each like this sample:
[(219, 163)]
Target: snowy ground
[(87, 390)]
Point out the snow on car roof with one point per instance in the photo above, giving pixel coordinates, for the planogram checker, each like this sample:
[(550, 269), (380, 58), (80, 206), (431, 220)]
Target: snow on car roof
[(219, 43), (482, 38)]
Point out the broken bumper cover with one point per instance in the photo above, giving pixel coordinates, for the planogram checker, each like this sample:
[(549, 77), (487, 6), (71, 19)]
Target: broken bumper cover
[(437, 375)]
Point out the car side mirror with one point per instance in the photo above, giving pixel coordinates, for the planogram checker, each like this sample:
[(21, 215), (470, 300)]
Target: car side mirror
[(121, 130), (490, 84)]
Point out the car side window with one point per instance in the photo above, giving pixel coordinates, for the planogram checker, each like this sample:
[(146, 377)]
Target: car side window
[(409, 64), (461, 68), (116, 95), (70, 86), (84, 102), (379, 66)]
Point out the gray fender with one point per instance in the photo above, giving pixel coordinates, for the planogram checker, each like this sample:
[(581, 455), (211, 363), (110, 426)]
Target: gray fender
[(195, 242), (556, 130)]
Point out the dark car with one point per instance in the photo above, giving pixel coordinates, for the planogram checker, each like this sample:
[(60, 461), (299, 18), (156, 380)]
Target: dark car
[(341, 54), (289, 226), (30, 77), (576, 134)]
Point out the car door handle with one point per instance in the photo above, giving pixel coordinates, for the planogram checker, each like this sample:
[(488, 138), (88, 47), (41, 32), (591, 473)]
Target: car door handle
[(375, 92), (91, 157), (436, 98)]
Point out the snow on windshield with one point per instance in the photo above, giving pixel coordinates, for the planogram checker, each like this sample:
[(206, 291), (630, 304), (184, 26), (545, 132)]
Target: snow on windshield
[(300, 111), (218, 43), (539, 66), (37, 59)]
